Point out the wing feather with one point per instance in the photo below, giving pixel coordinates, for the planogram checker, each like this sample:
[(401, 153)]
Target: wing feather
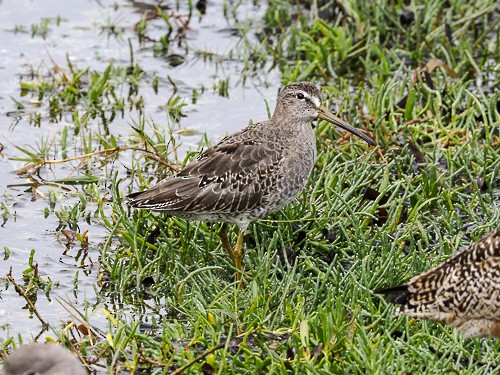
[(229, 177)]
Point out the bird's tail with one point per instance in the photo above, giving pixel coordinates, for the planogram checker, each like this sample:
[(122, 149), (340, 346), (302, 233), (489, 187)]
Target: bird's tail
[(398, 294)]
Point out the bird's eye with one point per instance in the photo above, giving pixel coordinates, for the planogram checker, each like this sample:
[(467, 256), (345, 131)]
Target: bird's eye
[(300, 96)]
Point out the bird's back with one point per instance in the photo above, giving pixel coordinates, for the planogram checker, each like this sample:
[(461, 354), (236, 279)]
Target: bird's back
[(43, 359), (238, 180), (463, 291)]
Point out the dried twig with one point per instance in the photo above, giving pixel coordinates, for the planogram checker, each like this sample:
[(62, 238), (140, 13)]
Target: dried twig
[(197, 358), (149, 360), (23, 293), (89, 155)]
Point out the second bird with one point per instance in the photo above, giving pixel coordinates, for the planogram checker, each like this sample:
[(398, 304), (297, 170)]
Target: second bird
[(251, 173)]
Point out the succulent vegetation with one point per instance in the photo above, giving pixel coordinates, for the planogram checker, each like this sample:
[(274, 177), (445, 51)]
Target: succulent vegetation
[(421, 77)]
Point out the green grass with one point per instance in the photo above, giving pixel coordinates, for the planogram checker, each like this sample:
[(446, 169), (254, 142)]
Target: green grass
[(308, 305)]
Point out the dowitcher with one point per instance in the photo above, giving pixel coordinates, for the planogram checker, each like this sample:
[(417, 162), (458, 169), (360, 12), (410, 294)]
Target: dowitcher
[(251, 173), (43, 359), (463, 292)]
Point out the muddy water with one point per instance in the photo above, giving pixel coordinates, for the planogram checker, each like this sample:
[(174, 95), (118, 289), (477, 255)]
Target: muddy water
[(81, 32)]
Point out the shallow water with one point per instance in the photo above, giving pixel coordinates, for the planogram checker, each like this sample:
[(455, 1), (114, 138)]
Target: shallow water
[(82, 34)]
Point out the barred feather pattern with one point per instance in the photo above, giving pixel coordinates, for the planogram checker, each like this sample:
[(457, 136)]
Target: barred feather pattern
[(463, 292), (248, 174)]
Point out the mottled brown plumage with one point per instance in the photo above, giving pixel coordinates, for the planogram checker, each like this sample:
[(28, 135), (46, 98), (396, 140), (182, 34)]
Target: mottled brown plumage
[(250, 173), (463, 292)]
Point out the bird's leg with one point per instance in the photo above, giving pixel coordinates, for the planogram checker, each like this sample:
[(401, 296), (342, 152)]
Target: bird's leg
[(225, 241), (238, 253), (235, 254)]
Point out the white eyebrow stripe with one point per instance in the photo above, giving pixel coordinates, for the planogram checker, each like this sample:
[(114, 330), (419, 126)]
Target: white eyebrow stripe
[(316, 101)]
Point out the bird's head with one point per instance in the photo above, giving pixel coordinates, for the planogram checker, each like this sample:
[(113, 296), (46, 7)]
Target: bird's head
[(301, 102)]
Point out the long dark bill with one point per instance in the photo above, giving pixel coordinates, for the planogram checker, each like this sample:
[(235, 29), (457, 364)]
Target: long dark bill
[(325, 114)]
